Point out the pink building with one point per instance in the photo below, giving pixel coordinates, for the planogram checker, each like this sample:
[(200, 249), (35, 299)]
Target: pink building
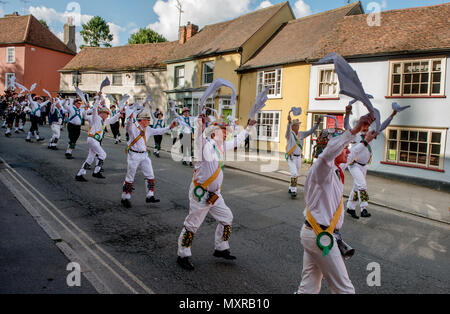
[(32, 53)]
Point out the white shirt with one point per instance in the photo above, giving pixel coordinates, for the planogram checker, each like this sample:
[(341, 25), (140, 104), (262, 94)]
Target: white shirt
[(291, 142), (74, 113), (36, 107), (134, 130), (209, 161), (323, 185), (96, 123), (364, 155)]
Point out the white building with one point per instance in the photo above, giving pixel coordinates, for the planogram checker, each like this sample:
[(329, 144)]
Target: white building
[(404, 60)]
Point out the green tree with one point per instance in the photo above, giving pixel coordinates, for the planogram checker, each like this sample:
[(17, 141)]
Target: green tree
[(43, 22), (146, 36), (96, 32)]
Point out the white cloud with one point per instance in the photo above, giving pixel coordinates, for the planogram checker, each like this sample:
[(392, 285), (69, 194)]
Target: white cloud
[(199, 12), (264, 4), (301, 9), (57, 19)]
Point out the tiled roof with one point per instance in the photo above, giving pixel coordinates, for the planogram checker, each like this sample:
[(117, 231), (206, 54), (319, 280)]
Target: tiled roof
[(28, 30), (401, 31), (298, 39), (129, 57), (225, 36)]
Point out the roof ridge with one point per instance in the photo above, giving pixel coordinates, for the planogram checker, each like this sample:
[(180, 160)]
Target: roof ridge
[(300, 19), (246, 14), (27, 30), (402, 9)]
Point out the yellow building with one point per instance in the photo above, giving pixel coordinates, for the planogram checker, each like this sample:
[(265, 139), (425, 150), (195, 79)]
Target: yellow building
[(217, 51), (284, 65)]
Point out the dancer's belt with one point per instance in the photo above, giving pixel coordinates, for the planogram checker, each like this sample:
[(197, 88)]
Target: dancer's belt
[(296, 155), (355, 162), (135, 151), (320, 231), (200, 189), (321, 226)]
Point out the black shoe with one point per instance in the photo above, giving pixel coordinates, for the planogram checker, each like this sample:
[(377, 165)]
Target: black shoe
[(365, 213), (80, 179), (69, 156), (293, 194), (352, 213), (224, 254), (152, 200), (126, 203), (16, 131), (98, 175), (7, 134), (28, 140), (185, 263), (191, 164), (23, 131), (54, 148), (184, 163), (40, 139)]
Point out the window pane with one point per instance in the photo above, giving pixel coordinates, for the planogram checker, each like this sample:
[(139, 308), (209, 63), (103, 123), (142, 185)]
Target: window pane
[(396, 79), (423, 147), (407, 78), (424, 89), (404, 135), (396, 89), (436, 65), (436, 137), (392, 145), (412, 158), (434, 161), (413, 147), (393, 134), (403, 156), (422, 159), (435, 149), (436, 77), (423, 136), (413, 135), (407, 89), (415, 89), (436, 88), (416, 78), (404, 146), (397, 68), (408, 67), (424, 77)]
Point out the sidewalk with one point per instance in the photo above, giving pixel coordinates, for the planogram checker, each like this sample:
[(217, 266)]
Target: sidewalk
[(392, 194)]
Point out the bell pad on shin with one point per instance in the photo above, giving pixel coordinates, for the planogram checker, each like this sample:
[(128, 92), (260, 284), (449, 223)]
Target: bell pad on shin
[(187, 239)]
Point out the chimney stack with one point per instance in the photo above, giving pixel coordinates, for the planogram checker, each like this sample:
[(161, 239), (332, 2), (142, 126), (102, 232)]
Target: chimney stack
[(191, 30), (69, 35), (187, 32), (182, 34), (12, 14)]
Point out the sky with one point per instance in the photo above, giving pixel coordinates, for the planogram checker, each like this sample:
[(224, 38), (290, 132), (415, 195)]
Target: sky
[(126, 17)]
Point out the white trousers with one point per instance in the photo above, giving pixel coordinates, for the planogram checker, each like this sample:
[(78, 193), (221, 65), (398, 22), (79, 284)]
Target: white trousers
[(316, 266), (197, 213), (359, 194), (95, 151), (136, 160), (295, 164), (187, 147), (56, 133)]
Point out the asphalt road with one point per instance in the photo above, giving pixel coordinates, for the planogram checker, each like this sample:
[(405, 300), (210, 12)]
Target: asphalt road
[(134, 250)]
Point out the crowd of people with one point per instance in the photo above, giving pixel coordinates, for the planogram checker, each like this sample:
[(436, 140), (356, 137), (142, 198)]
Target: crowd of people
[(205, 139)]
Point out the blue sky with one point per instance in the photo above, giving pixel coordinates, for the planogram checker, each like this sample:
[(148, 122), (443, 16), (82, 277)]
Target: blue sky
[(125, 17)]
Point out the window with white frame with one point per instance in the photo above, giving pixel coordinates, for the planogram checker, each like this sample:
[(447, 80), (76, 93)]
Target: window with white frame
[(328, 83), (8, 78), (415, 146), (117, 79), (179, 76), (268, 125), (10, 55), (421, 77), (140, 79), (208, 73), (271, 79)]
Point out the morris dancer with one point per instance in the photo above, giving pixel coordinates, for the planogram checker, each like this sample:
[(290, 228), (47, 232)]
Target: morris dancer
[(73, 124), (36, 107), (97, 123), (205, 191), (324, 212), (158, 123), (186, 135), (294, 150), (55, 119), (139, 133)]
